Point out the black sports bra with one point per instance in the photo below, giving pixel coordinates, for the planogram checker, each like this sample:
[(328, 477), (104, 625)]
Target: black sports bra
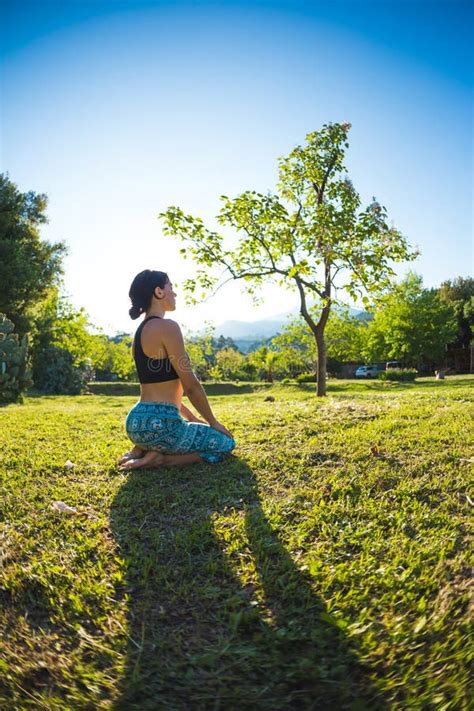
[(151, 370)]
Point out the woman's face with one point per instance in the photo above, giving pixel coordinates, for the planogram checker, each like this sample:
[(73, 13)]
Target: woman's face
[(167, 297)]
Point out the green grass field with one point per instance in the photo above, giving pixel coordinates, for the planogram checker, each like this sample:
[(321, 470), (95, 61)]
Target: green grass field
[(325, 565)]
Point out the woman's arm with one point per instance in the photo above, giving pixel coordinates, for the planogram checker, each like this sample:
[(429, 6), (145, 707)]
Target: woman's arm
[(174, 344), (185, 412)]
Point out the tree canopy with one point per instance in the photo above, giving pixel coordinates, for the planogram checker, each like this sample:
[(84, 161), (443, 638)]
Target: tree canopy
[(29, 265), (460, 294), (411, 324), (345, 338), (311, 235)]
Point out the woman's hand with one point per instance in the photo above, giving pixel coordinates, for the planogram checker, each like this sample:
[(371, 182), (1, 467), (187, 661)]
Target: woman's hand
[(220, 428)]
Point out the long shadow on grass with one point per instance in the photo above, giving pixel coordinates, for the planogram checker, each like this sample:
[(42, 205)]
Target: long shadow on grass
[(199, 638)]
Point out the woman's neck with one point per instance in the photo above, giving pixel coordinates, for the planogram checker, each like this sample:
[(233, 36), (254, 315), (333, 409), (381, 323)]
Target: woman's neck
[(155, 312)]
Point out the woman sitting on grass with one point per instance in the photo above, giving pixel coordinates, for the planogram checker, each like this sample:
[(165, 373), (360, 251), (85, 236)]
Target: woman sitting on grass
[(162, 429)]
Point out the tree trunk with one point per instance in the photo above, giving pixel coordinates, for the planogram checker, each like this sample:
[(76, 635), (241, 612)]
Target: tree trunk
[(318, 329), (321, 371)]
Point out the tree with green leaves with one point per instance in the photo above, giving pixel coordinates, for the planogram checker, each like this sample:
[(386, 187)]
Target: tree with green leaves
[(460, 294), (58, 323), (307, 234), (201, 350), (224, 342), (265, 359), (229, 365), (112, 358), (411, 324), (344, 335), (296, 347), (62, 345), (29, 265)]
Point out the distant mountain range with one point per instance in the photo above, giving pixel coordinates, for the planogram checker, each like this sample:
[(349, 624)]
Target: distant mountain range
[(246, 333)]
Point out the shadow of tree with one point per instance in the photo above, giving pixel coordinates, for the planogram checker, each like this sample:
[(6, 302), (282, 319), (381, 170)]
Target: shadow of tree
[(203, 636)]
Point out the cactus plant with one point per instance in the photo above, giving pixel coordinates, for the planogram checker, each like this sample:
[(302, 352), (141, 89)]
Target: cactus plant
[(14, 373)]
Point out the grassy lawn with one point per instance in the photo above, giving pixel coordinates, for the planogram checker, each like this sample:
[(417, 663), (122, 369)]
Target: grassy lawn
[(325, 565)]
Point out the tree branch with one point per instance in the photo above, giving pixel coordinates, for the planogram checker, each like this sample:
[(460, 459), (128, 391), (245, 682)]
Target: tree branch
[(303, 309), (325, 179), (235, 277), (267, 249), (363, 281)]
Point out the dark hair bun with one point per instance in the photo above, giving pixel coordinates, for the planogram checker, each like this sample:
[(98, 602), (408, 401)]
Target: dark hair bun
[(135, 312), (142, 290)]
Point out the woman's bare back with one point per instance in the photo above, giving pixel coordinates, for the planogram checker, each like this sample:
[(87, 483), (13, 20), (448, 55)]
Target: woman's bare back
[(153, 347)]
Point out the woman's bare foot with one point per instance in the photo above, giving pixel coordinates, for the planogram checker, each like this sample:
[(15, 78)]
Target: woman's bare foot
[(135, 453), (151, 459)]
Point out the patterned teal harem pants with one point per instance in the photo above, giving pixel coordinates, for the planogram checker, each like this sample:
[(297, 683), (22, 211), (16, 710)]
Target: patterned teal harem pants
[(159, 426)]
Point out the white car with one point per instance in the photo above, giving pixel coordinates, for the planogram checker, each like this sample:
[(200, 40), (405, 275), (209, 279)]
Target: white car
[(367, 371)]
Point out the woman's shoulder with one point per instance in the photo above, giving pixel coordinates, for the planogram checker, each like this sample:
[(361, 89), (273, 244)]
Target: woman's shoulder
[(163, 326), (159, 322), (162, 335), (169, 325)]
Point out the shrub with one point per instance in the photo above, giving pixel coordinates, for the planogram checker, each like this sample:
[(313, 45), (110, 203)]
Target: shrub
[(54, 372), (14, 374), (401, 374), (306, 378), (215, 373)]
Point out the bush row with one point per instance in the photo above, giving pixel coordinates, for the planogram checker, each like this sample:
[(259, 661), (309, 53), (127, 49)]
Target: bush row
[(400, 374)]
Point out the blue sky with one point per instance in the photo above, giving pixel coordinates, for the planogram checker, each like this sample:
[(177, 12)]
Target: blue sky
[(117, 109)]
